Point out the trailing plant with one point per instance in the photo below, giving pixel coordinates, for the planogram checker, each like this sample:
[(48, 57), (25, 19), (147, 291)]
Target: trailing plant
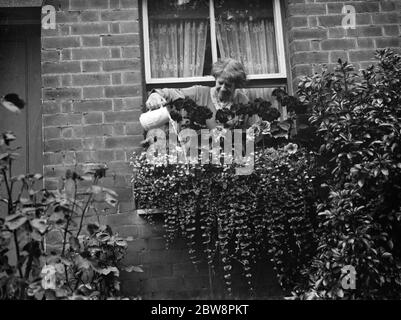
[(84, 265), (234, 221)]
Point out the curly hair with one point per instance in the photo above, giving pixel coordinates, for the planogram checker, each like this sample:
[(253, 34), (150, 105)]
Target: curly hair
[(230, 69)]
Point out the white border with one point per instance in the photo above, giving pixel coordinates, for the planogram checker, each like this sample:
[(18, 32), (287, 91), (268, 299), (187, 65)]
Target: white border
[(279, 46)]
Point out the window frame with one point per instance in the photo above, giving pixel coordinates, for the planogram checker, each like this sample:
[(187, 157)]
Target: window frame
[(278, 25)]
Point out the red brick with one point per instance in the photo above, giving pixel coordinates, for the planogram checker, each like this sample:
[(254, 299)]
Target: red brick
[(296, 22), (50, 81), (50, 55), (88, 4), (361, 55), (132, 78), (66, 80), (78, 131), (91, 41), (93, 117), (56, 145), (365, 43), (120, 15), (90, 54), (115, 53), (388, 42), (122, 91), (299, 34), (335, 55), (51, 133), (386, 18), (391, 30), (62, 93), (333, 44), (132, 104), (312, 22), (118, 129), (61, 67), (131, 52), (388, 5), (90, 16), (50, 107), (133, 128), (123, 142), (104, 155), (93, 143), (363, 18), (89, 28), (121, 65), (365, 31), (115, 27), (330, 21), (120, 40), (92, 105), (60, 42), (306, 9), (52, 158), (337, 32), (121, 116), (66, 132), (90, 66), (61, 119), (66, 54), (93, 92), (129, 3), (66, 107), (360, 7), (96, 130), (129, 27), (311, 57), (67, 16), (91, 79)]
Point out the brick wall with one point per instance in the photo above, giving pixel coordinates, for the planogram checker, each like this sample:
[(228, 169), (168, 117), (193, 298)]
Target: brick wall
[(92, 81), (92, 97), (316, 35)]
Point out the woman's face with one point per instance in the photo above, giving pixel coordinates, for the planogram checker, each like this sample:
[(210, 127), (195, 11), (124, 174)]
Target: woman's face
[(225, 89)]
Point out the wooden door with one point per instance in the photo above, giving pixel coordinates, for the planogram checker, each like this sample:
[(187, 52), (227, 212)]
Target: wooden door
[(20, 49)]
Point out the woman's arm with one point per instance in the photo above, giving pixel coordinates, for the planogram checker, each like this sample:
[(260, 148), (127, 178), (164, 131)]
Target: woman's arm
[(159, 97)]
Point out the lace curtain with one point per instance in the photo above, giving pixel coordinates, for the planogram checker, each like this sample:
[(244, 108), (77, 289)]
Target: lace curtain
[(177, 48), (251, 42)]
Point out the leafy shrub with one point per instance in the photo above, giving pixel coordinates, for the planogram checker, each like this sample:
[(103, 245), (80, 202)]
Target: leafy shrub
[(83, 266), (358, 118)]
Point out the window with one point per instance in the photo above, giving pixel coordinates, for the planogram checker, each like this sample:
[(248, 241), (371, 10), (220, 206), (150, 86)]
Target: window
[(182, 38)]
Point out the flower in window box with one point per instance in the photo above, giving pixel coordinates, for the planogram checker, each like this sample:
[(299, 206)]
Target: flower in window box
[(291, 148), (224, 115), (265, 127)]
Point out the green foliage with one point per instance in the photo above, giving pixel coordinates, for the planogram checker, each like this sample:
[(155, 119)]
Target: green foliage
[(358, 117), (83, 266)]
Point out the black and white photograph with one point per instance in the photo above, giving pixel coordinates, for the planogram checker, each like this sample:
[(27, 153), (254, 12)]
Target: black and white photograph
[(200, 156)]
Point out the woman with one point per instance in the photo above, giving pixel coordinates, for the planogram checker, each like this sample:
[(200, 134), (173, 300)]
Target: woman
[(229, 74)]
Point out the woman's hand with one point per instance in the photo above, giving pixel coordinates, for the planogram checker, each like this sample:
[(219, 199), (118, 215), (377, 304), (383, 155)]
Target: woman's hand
[(155, 101)]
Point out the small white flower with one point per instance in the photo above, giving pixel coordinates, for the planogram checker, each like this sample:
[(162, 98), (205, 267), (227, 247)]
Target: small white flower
[(49, 277)]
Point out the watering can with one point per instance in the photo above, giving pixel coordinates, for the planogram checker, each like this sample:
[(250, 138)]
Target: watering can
[(154, 119)]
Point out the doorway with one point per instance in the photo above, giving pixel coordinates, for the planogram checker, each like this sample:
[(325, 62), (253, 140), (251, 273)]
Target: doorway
[(20, 73)]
